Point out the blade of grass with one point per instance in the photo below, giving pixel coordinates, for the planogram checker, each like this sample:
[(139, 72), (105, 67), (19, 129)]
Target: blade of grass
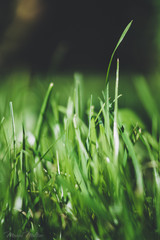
[(145, 94), (93, 137), (42, 114), (136, 164), (93, 150), (99, 113), (24, 155), (106, 116), (4, 133), (81, 146), (148, 102), (115, 127), (78, 97), (119, 42), (13, 129), (14, 174), (2, 121)]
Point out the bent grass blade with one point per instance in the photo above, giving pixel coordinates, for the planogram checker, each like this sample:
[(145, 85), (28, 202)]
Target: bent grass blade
[(119, 42)]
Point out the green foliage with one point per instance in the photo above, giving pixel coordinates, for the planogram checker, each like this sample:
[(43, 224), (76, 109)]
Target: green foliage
[(85, 179), (75, 171)]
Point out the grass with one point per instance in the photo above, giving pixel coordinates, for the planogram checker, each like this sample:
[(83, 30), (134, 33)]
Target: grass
[(77, 175), (77, 171)]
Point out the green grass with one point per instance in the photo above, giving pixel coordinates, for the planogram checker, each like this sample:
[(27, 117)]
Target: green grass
[(71, 173), (77, 169)]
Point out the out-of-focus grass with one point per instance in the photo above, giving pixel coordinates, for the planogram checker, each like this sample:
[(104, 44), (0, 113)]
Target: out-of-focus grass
[(86, 178)]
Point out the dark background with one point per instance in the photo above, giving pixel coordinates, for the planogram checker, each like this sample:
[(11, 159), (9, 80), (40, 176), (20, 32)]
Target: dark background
[(80, 36)]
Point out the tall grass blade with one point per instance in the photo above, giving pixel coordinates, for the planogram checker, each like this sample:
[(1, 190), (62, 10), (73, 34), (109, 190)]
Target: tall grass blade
[(115, 127), (107, 115), (119, 42), (78, 97), (24, 155), (13, 129), (42, 114), (93, 137)]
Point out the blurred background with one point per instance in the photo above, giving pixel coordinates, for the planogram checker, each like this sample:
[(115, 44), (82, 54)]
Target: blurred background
[(47, 35), (50, 40)]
